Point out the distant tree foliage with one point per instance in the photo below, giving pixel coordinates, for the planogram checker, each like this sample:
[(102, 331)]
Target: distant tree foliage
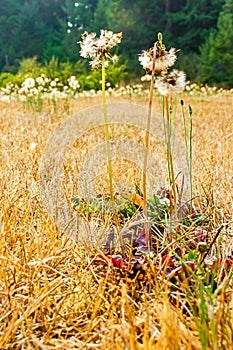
[(217, 52), (201, 29), (79, 17)]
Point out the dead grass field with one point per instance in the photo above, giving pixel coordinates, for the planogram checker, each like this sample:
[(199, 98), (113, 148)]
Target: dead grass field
[(50, 295)]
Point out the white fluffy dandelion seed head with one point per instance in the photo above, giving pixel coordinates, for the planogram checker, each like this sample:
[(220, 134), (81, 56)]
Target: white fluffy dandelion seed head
[(29, 83), (96, 48), (88, 45), (146, 77), (171, 57), (170, 83), (40, 81), (96, 62), (73, 82), (164, 59), (109, 39), (114, 58), (53, 83), (145, 60)]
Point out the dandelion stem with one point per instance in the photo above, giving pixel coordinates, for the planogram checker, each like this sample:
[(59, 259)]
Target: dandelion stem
[(165, 137), (107, 137), (147, 141)]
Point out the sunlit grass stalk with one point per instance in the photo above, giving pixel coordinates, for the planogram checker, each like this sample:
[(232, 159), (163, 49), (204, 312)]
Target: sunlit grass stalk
[(106, 126), (204, 295), (199, 312), (189, 148), (191, 155), (171, 173), (147, 144)]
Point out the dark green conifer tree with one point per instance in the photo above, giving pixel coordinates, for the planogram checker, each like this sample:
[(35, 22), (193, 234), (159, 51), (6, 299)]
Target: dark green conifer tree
[(217, 52)]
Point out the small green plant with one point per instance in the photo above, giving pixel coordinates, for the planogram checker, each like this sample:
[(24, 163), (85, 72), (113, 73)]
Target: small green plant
[(29, 66)]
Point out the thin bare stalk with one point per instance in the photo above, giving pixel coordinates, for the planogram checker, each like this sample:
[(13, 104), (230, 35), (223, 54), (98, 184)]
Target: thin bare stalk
[(191, 155), (170, 160), (189, 149), (107, 137), (165, 136), (147, 142), (185, 135)]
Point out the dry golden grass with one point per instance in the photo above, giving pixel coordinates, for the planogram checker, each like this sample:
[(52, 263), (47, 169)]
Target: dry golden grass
[(51, 297)]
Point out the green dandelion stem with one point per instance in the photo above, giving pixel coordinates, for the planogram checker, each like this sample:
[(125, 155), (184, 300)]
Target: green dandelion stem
[(107, 137), (165, 137), (147, 144)]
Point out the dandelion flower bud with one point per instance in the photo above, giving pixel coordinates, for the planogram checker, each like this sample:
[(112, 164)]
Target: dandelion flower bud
[(160, 38)]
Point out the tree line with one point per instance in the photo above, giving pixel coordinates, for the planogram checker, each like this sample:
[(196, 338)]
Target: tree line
[(202, 30)]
